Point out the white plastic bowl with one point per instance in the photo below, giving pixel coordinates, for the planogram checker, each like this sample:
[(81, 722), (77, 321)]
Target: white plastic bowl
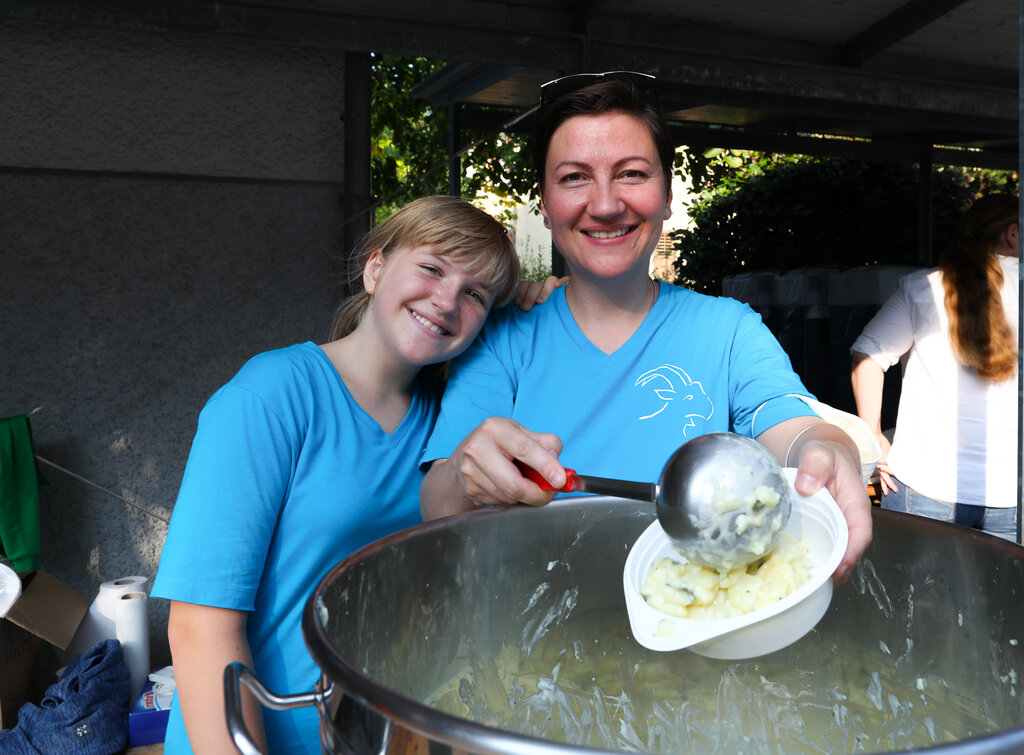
[(816, 520)]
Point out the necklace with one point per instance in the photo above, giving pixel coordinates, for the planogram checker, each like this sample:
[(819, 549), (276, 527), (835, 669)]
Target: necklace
[(656, 289)]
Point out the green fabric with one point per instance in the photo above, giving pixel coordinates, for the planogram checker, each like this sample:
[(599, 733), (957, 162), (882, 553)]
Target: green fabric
[(19, 494)]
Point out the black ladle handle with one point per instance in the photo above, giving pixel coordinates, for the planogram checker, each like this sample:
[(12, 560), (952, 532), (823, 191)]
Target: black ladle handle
[(577, 483)]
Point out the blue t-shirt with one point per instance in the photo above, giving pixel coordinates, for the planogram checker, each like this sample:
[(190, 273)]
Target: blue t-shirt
[(697, 364), (287, 476)]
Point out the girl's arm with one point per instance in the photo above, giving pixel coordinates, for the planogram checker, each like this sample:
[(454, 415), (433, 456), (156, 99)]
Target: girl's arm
[(204, 640), (530, 293), (868, 380)]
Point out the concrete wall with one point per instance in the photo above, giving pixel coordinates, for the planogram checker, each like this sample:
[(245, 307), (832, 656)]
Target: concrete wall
[(169, 206)]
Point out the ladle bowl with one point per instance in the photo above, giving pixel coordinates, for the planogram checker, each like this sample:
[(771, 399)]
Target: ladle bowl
[(722, 498)]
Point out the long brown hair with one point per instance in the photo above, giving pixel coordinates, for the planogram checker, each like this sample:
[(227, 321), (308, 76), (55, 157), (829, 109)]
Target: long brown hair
[(972, 278), (455, 229)]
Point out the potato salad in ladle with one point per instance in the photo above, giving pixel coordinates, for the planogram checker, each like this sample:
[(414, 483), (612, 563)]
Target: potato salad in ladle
[(723, 501)]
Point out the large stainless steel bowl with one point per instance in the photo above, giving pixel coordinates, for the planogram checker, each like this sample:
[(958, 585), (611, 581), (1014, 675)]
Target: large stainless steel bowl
[(512, 624)]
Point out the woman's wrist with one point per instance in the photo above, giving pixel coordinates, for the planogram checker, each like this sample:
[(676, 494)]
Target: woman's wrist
[(828, 434), (792, 443)]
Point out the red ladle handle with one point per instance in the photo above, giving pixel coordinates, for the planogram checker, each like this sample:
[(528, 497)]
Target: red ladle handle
[(577, 483), (531, 474)]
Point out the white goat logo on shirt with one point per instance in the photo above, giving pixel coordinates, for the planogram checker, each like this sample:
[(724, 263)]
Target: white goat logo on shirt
[(671, 384)]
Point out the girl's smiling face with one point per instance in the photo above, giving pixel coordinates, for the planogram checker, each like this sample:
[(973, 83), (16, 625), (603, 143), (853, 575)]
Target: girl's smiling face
[(605, 194), (426, 307)]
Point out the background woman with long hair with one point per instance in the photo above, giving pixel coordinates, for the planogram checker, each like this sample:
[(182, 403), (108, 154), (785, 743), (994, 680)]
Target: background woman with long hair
[(954, 453)]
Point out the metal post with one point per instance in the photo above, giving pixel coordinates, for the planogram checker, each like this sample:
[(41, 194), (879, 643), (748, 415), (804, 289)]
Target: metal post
[(1020, 266), (356, 192)]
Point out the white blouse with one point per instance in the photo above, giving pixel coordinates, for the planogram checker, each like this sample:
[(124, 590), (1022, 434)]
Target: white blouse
[(956, 434)]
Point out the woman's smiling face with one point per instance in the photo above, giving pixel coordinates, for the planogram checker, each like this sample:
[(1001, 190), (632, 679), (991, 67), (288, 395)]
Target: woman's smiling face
[(605, 194)]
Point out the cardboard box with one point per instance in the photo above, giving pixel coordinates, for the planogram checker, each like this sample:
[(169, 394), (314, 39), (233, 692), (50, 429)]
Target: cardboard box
[(46, 612), (147, 720)]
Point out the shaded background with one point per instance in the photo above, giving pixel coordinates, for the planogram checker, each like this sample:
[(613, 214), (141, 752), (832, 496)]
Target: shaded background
[(169, 207)]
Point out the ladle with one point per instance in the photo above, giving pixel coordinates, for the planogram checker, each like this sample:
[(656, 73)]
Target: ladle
[(722, 498)]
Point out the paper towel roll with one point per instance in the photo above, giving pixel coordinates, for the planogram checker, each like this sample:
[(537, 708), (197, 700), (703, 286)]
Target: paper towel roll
[(10, 586), (99, 623), (132, 627)]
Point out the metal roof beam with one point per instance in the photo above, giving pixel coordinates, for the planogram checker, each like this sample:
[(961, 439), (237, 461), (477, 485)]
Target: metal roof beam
[(898, 25), (850, 148), (837, 93), (459, 81)]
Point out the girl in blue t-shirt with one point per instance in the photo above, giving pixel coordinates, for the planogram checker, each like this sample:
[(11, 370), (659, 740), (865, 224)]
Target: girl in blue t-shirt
[(311, 452)]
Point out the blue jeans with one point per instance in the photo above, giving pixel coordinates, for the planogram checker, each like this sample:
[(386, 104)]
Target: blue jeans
[(1001, 522)]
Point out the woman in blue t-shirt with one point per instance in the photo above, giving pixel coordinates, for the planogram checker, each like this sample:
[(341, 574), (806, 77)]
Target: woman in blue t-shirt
[(619, 370)]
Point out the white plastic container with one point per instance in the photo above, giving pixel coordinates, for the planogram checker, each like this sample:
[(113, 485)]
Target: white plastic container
[(815, 520)]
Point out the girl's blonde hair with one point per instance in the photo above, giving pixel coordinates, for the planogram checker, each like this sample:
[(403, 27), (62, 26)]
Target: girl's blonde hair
[(972, 279), (455, 229)]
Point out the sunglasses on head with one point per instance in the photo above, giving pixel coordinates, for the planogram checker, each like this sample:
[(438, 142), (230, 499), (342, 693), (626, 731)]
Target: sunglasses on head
[(559, 87)]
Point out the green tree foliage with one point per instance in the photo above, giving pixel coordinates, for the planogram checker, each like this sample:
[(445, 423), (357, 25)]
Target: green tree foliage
[(409, 136), (410, 143), (770, 212)]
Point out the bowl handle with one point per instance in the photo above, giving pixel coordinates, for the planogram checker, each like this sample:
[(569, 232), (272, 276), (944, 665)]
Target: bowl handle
[(237, 674)]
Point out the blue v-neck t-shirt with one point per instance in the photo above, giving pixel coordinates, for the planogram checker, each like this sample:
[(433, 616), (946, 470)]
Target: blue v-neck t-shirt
[(697, 364), (287, 476)]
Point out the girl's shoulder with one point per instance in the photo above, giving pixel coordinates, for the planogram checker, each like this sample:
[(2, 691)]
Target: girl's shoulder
[(298, 359), (282, 375), (923, 285)]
